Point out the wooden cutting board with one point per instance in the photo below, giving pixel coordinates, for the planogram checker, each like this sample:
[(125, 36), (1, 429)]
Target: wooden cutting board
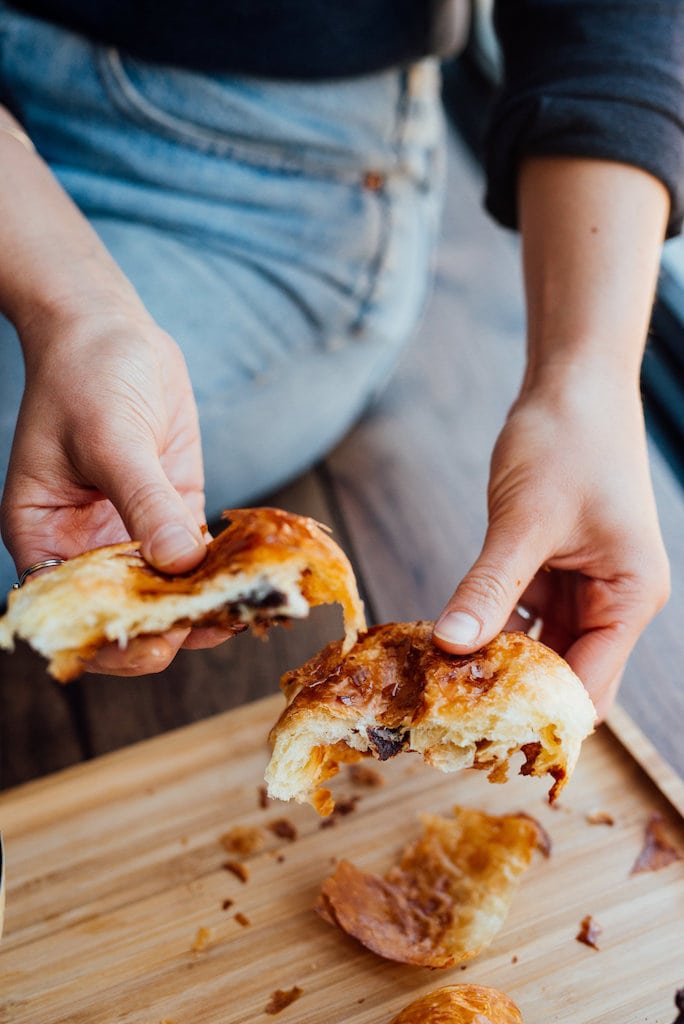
[(116, 877)]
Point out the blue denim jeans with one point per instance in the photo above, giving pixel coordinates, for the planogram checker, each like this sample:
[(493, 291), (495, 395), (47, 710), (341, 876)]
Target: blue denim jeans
[(281, 232)]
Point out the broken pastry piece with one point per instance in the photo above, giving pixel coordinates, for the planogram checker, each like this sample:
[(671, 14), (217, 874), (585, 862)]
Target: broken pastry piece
[(395, 691), (657, 851), (267, 566), (461, 1004), (445, 900)]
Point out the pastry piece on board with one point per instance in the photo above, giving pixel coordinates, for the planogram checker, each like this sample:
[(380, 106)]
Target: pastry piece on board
[(446, 898), (461, 1004)]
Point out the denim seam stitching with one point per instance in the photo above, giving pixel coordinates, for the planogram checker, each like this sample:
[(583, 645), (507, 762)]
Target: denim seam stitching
[(130, 101), (378, 261), (375, 263)]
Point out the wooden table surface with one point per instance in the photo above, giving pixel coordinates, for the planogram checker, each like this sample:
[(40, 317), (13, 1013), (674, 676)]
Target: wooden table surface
[(405, 495), (121, 908)]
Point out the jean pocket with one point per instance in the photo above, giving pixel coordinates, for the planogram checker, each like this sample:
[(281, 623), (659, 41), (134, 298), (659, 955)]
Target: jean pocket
[(280, 126)]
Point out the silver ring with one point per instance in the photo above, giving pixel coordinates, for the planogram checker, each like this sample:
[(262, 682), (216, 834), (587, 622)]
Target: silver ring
[(45, 564), (535, 623)]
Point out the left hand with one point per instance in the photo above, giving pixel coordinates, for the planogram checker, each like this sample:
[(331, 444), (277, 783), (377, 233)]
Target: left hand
[(107, 447)]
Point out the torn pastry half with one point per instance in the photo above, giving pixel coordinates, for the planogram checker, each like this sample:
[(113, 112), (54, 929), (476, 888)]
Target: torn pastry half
[(461, 1004), (445, 899), (266, 566), (394, 690)]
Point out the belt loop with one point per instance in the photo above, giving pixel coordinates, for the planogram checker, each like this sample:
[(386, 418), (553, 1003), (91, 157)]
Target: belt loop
[(422, 77)]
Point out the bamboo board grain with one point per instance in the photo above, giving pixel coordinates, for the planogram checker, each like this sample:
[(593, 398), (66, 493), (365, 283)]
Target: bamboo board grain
[(113, 867)]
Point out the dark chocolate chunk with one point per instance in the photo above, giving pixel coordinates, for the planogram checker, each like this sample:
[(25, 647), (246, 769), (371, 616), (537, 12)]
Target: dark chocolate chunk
[(271, 599), (388, 742)]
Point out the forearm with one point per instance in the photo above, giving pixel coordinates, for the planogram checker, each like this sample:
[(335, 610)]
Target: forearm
[(569, 486), (592, 232), (53, 263)]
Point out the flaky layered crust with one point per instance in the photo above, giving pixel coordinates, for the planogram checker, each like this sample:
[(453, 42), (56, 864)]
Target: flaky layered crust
[(461, 1004), (268, 565), (395, 691), (448, 896)]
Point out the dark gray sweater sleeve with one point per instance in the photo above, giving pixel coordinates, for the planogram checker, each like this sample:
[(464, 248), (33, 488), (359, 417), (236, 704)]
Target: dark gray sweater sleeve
[(603, 78)]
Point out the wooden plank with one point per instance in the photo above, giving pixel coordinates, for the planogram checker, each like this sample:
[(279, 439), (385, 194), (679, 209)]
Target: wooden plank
[(411, 480), (645, 754), (114, 867)]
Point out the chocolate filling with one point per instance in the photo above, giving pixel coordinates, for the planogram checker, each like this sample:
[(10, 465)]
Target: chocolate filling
[(271, 599), (388, 742)]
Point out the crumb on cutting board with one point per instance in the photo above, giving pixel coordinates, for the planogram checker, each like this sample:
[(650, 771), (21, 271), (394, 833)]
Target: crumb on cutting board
[(657, 851), (201, 939), (600, 818), (590, 932), (282, 998), (283, 829), (243, 839), (237, 868)]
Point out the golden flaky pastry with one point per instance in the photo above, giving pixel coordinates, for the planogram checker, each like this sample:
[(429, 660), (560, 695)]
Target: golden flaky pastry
[(445, 900), (396, 691), (266, 566), (461, 1004)]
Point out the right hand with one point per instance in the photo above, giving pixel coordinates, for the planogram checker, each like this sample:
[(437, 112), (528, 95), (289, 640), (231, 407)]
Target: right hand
[(573, 531), (107, 448)]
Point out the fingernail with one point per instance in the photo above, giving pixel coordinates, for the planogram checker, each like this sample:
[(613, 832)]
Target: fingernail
[(458, 628), (172, 543)]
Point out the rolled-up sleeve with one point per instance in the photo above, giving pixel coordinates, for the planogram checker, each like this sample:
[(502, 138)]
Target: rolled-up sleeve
[(602, 79)]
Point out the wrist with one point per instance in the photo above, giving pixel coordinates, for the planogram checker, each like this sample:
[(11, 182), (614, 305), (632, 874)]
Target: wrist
[(67, 304), (577, 368), (582, 400), (91, 335)]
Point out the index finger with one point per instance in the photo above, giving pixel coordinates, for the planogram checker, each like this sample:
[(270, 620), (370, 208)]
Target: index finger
[(142, 655), (203, 637), (599, 657)]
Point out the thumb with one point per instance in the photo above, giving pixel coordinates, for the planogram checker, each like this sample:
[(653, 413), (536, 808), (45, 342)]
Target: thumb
[(483, 601), (155, 514)]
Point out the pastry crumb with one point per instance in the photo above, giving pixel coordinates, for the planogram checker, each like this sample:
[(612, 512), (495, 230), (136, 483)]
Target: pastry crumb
[(201, 940), (237, 868), (283, 828), (590, 931), (600, 818), (281, 998), (657, 851), (242, 839)]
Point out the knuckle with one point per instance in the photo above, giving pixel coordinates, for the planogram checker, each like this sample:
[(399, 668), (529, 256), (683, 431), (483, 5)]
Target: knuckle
[(157, 661), (9, 522), (488, 585), (655, 579), (661, 587), (647, 591), (142, 503)]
